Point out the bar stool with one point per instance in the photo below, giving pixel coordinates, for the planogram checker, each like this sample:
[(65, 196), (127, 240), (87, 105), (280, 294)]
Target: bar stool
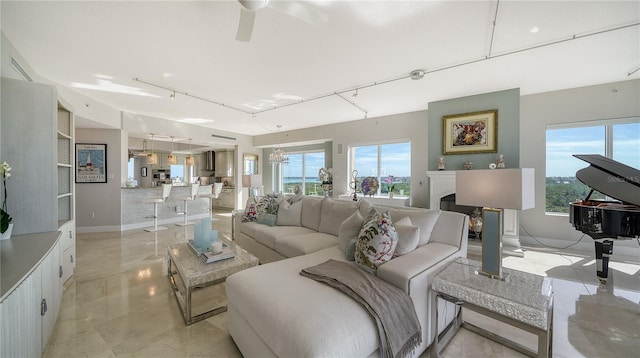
[(194, 192), (217, 189), (166, 190)]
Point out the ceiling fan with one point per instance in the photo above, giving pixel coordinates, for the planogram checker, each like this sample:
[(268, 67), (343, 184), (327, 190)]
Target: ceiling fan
[(248, 9)]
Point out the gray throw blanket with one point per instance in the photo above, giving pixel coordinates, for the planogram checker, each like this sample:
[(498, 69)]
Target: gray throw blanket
[(390, 307)]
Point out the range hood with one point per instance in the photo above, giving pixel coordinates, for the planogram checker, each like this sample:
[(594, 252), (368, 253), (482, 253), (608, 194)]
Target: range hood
[(210, 161)]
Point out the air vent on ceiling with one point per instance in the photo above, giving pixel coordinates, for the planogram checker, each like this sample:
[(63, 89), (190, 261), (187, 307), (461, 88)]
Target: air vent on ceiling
[(16, 66)]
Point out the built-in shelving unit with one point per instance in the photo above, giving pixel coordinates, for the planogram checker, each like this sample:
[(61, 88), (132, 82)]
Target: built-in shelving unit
[(65, 166)]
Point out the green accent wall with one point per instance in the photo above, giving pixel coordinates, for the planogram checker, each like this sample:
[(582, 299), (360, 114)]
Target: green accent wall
[(508, 105)]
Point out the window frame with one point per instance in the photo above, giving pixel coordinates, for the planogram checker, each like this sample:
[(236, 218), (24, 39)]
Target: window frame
[(379, 144), (277, 170), (608, 125)]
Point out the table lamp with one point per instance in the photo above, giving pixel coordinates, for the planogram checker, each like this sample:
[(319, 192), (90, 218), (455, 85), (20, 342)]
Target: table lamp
[(495, 190), (253, 182)]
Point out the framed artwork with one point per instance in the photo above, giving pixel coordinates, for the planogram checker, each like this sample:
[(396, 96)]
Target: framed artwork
[(91, 163), (467, 133)]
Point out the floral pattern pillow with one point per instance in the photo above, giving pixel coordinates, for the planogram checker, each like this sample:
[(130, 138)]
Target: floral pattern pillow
[(377, 241), (257, 206)]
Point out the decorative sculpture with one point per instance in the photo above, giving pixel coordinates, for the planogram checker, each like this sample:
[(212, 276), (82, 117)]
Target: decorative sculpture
[(353, 185), (441, 163), (500, 164)]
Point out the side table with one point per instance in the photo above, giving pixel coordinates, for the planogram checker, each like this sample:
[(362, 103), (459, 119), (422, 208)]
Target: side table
[(524, 301), (188, 272)]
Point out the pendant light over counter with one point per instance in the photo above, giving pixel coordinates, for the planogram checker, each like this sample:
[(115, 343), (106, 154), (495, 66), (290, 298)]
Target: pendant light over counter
[(190, 159), (152, 158), (172, 159)]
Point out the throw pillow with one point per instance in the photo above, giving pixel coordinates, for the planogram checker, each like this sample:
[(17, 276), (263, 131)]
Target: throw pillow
[(377, 241), (256, 206), (408, 236), (250, 213), (267, 219), (333, 214), (289, 214), (348, 234)]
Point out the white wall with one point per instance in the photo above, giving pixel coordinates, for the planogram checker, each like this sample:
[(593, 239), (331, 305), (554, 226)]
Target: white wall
[(607, 101)]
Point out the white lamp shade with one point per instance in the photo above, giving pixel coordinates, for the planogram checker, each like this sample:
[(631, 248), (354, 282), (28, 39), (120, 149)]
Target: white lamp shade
[(496, 188), (252, 181)]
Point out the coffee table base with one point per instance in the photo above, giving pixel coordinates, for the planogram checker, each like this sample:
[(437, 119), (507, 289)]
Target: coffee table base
[(185, 302)]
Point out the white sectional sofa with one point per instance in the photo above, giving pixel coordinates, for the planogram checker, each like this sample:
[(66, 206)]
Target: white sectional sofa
[(273, 311)]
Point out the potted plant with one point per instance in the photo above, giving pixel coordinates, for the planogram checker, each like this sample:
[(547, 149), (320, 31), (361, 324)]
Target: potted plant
[(5, 219), (390, 180)]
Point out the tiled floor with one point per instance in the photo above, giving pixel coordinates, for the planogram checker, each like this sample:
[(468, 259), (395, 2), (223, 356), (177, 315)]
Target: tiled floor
[(118, 304)]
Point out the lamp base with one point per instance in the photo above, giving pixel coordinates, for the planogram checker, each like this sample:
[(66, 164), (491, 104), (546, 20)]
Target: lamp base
[(504, 277)]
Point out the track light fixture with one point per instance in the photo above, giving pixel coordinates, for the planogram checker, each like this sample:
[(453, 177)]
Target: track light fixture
[(414, 75)]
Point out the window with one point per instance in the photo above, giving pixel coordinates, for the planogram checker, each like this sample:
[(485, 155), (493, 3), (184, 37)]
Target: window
[(390, 164), (302, 172), (616, 139)]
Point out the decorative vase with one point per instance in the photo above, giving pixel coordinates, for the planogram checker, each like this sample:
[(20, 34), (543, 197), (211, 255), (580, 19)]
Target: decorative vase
[(390, 195), (7, 234)]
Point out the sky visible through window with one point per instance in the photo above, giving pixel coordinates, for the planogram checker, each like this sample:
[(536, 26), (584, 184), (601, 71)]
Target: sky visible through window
[(395, 160), (563, 143)]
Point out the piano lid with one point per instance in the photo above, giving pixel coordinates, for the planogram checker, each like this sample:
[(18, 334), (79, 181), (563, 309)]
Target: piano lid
[(611, 178)]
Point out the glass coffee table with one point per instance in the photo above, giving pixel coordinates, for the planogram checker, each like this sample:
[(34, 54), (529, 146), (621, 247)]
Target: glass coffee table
[(187, 273), (523, 301)]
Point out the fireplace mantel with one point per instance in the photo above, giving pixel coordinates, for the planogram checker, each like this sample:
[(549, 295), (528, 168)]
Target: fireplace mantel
[(443, 183)]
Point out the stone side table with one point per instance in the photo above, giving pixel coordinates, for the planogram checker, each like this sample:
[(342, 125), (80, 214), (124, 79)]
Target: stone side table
[(523, 300), (188, 272)]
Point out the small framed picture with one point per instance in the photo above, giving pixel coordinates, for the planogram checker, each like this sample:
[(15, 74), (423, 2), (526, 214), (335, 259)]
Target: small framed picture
[(91, 163), (468, 133), (143, 171)]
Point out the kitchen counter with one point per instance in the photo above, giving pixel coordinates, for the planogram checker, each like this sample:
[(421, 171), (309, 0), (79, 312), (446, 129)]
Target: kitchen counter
[(135, 214)]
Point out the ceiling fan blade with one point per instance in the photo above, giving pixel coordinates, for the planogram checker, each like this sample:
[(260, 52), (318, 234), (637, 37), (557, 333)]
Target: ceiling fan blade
[(301, 11), (245, 25)]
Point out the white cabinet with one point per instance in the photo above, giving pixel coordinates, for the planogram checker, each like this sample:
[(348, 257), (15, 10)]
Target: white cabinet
[(29, 312), (224, 163), (226, 199), (68, 250), (20, 319)]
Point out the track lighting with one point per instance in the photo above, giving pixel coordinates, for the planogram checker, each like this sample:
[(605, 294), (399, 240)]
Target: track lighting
[(355, 95), (173, 95)]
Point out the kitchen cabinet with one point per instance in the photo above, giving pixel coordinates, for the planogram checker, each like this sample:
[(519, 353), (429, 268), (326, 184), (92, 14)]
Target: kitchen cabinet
[(225, 163), (226, 199)]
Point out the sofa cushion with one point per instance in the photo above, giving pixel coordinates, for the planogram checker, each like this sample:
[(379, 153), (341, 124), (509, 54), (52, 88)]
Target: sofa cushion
[(408, 236), (348, 234), (424, 219), (376, 242), (311, 211), (289, 214), (273, 298), (333, 214), (302, 244), (267, 235)]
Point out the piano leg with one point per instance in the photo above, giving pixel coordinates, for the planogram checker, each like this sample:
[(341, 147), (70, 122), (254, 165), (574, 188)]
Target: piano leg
[(604, 249)]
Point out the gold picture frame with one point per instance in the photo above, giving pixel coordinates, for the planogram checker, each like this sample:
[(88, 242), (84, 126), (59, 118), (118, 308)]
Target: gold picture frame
[(470, 133)]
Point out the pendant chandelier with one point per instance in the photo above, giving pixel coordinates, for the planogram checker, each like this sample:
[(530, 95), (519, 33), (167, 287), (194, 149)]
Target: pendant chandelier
[(172, 159), (278, 156), (152, 158), (190, 159)]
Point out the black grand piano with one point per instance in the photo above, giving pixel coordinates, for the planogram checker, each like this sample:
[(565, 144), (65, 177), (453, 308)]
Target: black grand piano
[(606, 221)]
